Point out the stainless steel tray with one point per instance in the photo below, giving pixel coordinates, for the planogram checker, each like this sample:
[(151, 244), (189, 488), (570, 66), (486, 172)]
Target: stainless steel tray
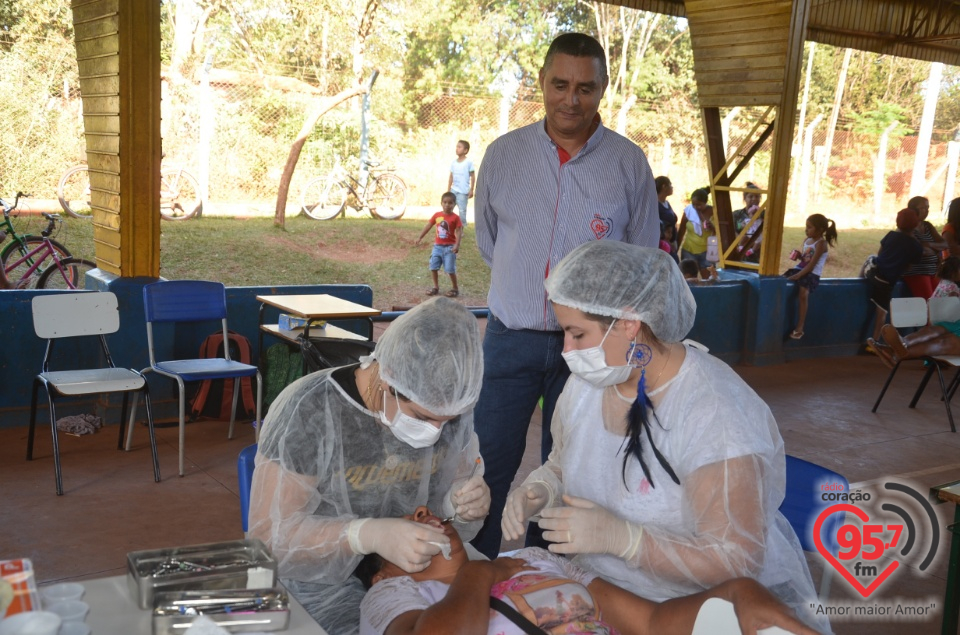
[(237, 611), (238, 564)]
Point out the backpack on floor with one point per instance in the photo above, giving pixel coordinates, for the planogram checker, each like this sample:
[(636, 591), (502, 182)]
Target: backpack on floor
[(214, 397)]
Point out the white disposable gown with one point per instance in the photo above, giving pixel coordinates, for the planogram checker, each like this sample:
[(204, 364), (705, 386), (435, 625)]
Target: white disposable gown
[(324, 460), (721, 521)]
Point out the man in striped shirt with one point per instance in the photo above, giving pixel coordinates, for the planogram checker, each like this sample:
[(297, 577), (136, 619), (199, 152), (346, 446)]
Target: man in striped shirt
[(541, 191)]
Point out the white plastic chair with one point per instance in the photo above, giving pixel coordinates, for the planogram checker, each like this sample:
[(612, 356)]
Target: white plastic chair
[(914, 312), (64, 315), (193, 301)]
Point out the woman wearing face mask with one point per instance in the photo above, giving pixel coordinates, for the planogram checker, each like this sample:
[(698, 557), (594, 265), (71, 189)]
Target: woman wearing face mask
[(344, 453), (667, 470)]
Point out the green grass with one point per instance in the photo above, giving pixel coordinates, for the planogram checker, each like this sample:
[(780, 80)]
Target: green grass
[(243, 252)]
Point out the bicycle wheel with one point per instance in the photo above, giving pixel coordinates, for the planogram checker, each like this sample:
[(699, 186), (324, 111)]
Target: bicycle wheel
[(16, 250), (179, 194), (323, 198), (389, 198), (73, 191), (71, 274)]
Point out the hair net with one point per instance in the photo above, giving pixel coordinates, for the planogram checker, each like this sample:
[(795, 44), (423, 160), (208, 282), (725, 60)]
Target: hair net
[(433, 356), (619, 280)]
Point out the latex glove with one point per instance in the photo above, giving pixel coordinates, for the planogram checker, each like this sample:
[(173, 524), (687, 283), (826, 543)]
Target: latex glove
[(471, 501), (522, 503), (407, 544), (585, 527)]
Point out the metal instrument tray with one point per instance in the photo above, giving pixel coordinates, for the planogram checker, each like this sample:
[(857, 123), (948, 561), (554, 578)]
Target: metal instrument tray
[(237, 611), (238, 564)]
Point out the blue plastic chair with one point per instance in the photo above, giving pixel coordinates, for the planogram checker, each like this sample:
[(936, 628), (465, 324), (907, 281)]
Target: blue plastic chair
[(193, 301), (802, 504), (245, 478)]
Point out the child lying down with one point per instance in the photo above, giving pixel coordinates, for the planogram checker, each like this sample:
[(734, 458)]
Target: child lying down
[(458, 595)]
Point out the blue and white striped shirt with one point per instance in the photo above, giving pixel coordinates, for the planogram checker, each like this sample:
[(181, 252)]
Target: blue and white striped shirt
[(531, 212)]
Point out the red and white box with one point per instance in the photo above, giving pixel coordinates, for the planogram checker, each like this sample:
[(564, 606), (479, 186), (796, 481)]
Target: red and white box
[(18, 587)]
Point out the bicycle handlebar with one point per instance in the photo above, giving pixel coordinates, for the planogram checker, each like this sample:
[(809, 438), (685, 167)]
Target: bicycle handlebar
[(52, 220), (16, 201)]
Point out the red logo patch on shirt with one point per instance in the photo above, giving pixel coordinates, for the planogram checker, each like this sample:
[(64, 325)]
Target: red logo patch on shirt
[(600, 226), (644, 487)]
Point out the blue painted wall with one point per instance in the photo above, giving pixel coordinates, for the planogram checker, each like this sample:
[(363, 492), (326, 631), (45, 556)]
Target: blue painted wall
[(742, 318), (23, 351)]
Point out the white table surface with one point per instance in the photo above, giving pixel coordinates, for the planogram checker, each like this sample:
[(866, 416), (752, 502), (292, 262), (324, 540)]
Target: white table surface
[(113, 611)]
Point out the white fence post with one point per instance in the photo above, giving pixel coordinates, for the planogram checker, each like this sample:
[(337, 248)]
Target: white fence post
[(953, 153), (805, 164), (879, 168)]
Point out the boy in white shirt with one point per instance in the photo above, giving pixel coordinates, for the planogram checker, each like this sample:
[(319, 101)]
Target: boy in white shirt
[(462, 179)]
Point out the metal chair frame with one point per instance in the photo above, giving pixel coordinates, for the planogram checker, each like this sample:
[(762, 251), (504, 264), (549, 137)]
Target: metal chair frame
[(914, 312), (193, 301), (88, 314)]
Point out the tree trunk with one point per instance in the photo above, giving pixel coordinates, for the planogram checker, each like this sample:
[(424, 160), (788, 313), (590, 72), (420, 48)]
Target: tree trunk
[(309, 123), (360, 40)]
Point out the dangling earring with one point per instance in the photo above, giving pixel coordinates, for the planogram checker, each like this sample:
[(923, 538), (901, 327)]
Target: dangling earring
[(639, 356)]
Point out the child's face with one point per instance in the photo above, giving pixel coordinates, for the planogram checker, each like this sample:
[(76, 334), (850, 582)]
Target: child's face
[(751, 198), (668, 233), (700, 206), (461, 150), (447, 203), (811, 230)]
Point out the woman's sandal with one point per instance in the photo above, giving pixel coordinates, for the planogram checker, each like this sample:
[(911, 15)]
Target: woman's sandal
[(795, 334), (433, 291), (452, 293), (892, 338), (882, 351)]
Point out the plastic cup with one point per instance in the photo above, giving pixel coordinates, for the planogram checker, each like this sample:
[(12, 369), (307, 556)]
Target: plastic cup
[(71, 610), (74, 628), (62, 592), (31, 623)]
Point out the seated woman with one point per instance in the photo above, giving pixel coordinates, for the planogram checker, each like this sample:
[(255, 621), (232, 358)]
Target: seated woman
[(456, 595), (345, 452), (939, 338), (696, 227)]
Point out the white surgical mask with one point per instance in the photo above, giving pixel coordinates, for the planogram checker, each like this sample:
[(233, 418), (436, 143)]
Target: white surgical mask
[(591, 365), (414, 432)]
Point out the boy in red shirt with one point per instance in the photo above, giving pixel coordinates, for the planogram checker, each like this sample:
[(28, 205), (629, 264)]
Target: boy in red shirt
[(447, 244)]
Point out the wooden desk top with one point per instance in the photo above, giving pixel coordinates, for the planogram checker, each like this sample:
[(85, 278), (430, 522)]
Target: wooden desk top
[(319, 306), (948, 492)]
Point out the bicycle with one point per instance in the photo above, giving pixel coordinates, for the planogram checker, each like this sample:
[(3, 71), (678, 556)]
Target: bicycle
[(27, 255), (382, 193), (179, 193)]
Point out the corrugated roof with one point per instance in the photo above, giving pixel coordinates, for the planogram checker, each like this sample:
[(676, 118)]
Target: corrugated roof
[(919, 29), (927, 30)]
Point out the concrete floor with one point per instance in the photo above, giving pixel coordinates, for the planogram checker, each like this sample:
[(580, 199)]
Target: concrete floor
[(111, 504)]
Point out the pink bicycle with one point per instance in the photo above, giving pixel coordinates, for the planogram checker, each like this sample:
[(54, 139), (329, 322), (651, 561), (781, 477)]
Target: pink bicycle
[(28, 258)]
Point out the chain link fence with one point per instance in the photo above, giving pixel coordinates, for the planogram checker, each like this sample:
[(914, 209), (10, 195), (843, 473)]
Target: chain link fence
[(234, 131)]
